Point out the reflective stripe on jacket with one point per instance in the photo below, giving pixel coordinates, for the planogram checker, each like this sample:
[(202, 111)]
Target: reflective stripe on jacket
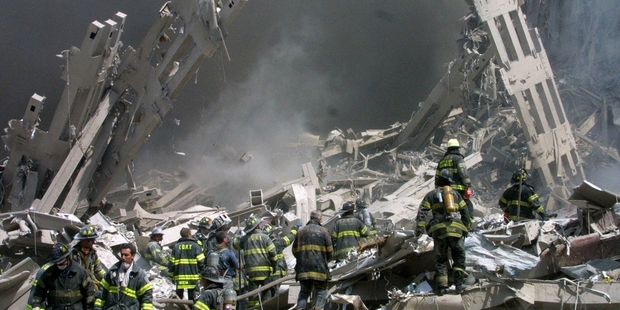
[(186, 262), (71, 288), (313, 250), (530, 204), (346, 234), (138, 294), (259, 254), (432, 215)]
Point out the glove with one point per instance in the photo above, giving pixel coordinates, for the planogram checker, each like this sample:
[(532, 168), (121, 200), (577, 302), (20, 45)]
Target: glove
[(468, 193), (297, 225), (543, 216), (506, 219)]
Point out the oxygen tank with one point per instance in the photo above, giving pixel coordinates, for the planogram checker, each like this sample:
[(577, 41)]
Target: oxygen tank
[(448, 199), (213, 259), (230, 296)]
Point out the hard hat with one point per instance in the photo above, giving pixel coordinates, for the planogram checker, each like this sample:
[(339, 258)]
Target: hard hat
[(453, 143), (59, 253), (212, 274), (251, 223), (347, 206), (519, 175), (268, 229), (157, 231), (87, 232), (445, 174), (218, 223), (360, 203), (205, 222)]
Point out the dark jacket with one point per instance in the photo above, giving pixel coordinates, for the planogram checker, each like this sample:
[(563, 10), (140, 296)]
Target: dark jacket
[(346, 234), (433, 217), (138, 294), (71, 288), (90, 262), (259, 254), (186, 262), (208, 299), (455, 161), (228, 262), (313, 250), (281, 243), (509, 202)]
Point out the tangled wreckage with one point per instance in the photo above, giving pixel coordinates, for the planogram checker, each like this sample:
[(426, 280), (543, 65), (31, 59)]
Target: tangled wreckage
[(498, 97)]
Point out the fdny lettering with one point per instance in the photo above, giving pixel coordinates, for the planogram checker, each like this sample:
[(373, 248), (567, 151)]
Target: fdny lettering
[(185, 247)]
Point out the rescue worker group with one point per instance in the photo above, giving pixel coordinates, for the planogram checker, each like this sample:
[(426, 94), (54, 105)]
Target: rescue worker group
[(213, 267)]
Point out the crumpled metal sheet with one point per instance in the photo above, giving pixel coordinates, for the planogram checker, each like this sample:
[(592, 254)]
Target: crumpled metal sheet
[(354, 300), (485, 257)]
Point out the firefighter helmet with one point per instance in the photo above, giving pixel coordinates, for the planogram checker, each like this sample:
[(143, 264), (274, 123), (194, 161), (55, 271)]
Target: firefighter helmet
[(251, 223), (218, 223), (205, 222), (518, 176), (157, 231), (87, 232), (268, 229), (60, 252), (212, 274), (361, 203), (347, 206), (445, 175), (453, 143)]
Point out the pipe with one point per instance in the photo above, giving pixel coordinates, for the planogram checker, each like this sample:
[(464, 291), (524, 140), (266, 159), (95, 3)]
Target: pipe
[(264, 287)]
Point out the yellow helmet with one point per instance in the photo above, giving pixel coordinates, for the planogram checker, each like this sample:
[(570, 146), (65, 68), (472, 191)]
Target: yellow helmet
[(453, 143)]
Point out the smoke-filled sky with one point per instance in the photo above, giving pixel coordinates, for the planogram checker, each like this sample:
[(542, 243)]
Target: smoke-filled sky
[(297, 66)]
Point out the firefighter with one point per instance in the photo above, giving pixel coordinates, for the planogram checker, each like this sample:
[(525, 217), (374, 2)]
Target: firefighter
[(154, 252), (204, 227), (219, 224), (186, 262), (216, 294), (63, 283), (444, 215), (259, 256), (85, 255), (455, 161), (347, 232), (362, 214), (281, 243), (125, 286), (313, 250), (521, 207)]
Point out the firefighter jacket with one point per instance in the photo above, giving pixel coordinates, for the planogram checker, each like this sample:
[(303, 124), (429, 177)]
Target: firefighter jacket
[(368, 219), (510, 201), (155, 254), (135, 295), (186, 262), (281, 243), (259, 254), (346, 234), (209, 298), (313, 250), (90, 262), (63, 289), (201, 237), (455, 161), (228, 262), (433, 217)]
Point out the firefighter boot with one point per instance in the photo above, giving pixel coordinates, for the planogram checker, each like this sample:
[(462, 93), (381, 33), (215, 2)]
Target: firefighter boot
[(458, 282)]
